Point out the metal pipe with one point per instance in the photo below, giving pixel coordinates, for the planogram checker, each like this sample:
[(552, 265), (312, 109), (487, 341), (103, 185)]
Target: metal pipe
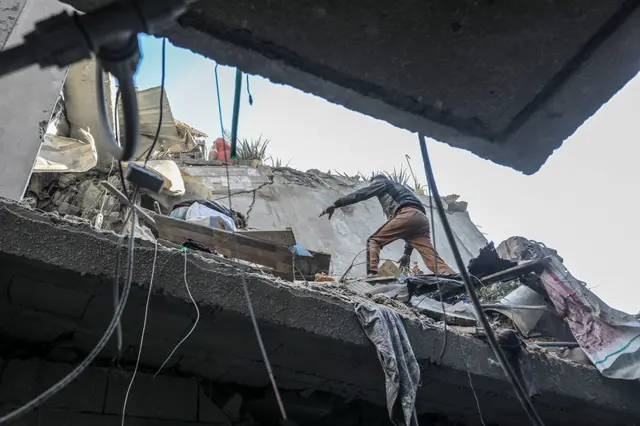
[(524, 307), (236, 114)]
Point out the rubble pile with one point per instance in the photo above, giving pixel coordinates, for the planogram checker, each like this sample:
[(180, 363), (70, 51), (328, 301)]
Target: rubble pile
[(78, 194)]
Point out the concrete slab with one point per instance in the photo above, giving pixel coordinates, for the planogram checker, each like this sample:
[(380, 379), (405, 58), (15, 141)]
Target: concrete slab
[(507, 81), (27, 101), (304, 317)]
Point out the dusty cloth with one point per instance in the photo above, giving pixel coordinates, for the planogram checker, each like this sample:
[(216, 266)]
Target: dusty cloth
[(411, 225), (385, 329)]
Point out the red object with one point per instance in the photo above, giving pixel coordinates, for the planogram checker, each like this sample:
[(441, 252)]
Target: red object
[(223, 148)]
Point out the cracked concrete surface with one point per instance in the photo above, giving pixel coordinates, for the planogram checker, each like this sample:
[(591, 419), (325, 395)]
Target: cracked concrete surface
[(311, 332)]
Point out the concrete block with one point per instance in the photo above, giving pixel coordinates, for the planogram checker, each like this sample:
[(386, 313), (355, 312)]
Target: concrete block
[(33, 326), (28, 419), (209, 412), (45, 296), (161, 397), (208, 369), (19, 381), (86, 393), (28, 98), (22, 380)]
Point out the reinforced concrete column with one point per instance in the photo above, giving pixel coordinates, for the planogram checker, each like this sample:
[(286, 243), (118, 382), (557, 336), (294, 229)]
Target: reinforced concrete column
[(27, 98)]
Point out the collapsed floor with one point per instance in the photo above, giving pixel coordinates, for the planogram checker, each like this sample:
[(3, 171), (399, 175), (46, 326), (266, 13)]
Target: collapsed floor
[(57, 301)]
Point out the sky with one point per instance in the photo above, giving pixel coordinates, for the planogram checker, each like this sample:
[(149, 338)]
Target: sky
[(580, 202)]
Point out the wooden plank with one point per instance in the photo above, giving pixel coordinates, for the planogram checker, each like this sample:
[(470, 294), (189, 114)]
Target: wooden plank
[(229, 244), (253, 256), (285, 238)]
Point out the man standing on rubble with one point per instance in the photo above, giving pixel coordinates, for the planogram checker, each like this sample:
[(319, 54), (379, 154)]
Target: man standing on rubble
[(406, 220)]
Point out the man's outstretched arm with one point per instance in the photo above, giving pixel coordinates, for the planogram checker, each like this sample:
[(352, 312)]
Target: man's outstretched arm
[(376, 188)]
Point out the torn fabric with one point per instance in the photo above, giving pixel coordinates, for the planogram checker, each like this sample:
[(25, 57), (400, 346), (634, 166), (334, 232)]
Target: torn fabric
[(610, 338), (385, 329)]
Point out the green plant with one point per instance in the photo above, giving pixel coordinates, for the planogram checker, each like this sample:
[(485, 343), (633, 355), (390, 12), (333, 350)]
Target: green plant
[(399, 176), (278, 163), (255, 149), (417, 186)]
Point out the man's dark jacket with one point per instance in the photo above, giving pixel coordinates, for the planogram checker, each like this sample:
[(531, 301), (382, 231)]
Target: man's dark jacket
[(391, 195)]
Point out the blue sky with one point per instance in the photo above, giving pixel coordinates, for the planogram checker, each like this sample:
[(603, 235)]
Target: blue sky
[(583, 202)]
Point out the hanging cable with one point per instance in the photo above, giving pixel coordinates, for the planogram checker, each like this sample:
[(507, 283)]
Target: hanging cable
[(521, 394), (245, 287), (124, 74), (195, 323), (215, 70), (144, 328), (61, 384), (249, 91), (444, 311), (117, 135)]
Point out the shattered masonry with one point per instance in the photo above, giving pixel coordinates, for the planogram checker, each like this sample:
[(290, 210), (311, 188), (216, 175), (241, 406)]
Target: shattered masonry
[(56, 301)]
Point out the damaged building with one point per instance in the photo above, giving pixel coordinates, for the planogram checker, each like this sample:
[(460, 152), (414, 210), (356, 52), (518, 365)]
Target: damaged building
[(321, 319)]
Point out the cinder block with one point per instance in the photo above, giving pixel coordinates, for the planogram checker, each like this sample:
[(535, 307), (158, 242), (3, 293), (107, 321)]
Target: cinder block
[(161, 397), (48, 297), (35, 326), (206, 368), (19, 381), (28, 419), (23, 380), (210, 413), (86, 393)]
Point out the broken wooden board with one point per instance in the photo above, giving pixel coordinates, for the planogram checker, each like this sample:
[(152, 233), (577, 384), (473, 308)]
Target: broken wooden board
[(285, 237), (278, 257)]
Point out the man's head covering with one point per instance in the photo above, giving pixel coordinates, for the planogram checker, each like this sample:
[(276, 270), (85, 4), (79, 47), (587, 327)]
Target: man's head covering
[(378, 176)]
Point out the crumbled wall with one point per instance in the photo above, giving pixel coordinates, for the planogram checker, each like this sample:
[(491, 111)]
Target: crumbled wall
[(295, 199)]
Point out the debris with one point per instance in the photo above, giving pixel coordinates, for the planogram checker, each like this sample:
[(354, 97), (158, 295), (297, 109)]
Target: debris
[(388, 269), (168, 169), (488, 262), (524, 319), (494, 292), (415, 269), (576, 355), (322, 277)]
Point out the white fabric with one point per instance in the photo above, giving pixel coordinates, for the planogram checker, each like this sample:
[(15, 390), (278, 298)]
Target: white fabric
[(200, 213)]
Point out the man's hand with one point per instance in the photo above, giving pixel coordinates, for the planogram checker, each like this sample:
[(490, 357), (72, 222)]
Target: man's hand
[(329, 210), (404, 260)]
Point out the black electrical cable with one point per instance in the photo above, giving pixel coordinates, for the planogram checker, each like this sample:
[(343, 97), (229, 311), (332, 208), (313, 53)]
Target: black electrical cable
[(130, 111), (533, 415), (162, 79), (53, 390), (444, 310), (117, 133)]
